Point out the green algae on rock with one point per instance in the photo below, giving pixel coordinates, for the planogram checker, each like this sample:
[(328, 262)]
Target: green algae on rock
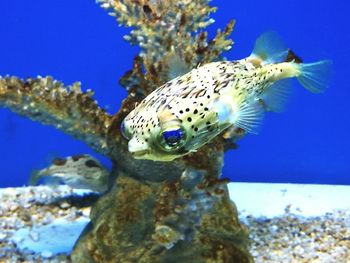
[(154, 212)]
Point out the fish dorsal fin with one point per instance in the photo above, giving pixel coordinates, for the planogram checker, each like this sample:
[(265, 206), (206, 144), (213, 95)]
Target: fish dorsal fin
[(270, 48), (250, 116), (276, 96), (176, 66)]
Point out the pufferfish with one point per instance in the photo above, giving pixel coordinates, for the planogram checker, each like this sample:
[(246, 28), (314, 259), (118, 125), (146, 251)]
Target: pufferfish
[(190, 110), (80, 171)]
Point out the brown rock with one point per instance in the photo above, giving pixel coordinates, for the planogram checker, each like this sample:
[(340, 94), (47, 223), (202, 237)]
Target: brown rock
[(171, 221)]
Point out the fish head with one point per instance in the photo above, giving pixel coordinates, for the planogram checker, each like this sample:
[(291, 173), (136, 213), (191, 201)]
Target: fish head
[(164, 136), (155, 138)]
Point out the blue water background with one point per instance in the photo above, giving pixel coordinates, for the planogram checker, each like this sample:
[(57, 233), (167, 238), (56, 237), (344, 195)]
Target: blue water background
[(78, 41)]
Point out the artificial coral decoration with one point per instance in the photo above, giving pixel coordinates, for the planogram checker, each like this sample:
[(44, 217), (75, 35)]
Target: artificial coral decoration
[(175, 211)]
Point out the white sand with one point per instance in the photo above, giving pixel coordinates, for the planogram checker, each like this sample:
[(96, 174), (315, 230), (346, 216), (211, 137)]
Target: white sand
[(295, 223), (270, 200)]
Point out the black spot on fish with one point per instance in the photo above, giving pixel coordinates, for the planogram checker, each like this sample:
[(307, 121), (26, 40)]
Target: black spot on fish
[(77, 157), (91, 163), (59, 161)]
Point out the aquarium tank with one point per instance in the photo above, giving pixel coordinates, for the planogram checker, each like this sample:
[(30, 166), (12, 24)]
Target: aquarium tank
[(305, 144), (93, 84)]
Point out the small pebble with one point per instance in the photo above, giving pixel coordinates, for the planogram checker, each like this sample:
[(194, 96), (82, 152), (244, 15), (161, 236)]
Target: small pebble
[(46, 254), (13, 207), (34, 236), (64, 205)]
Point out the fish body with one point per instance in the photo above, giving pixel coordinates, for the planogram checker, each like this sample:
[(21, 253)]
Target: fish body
[(77, 171), (190, 110)]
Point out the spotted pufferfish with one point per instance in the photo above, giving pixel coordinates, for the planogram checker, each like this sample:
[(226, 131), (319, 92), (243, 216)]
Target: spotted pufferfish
[(80, 171), (190, 110)]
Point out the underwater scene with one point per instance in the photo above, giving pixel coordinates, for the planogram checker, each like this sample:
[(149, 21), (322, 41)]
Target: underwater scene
[(174, 131)]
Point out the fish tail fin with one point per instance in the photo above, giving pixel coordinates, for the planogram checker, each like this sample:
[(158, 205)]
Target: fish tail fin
[(270, 48), (315, 76)]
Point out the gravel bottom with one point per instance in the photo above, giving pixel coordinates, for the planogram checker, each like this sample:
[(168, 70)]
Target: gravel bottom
[(287, 238), (27, 207), (297, 239)]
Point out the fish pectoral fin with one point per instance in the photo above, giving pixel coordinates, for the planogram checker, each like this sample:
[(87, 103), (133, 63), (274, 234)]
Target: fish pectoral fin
[(250, 116), (270, 48), (276, 96)]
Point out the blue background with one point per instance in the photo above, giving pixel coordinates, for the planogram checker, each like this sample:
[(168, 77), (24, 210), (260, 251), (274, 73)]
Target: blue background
[(78, 41)]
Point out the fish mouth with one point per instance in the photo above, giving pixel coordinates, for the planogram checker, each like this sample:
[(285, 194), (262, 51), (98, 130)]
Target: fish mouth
[(139, 154)]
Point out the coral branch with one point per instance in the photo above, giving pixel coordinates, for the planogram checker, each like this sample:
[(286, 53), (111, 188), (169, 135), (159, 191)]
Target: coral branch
[(67, 108), (166, 31)]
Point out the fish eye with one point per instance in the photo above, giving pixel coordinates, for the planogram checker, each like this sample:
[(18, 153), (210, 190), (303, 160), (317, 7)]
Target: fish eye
[(173, 139), (125, 131)]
